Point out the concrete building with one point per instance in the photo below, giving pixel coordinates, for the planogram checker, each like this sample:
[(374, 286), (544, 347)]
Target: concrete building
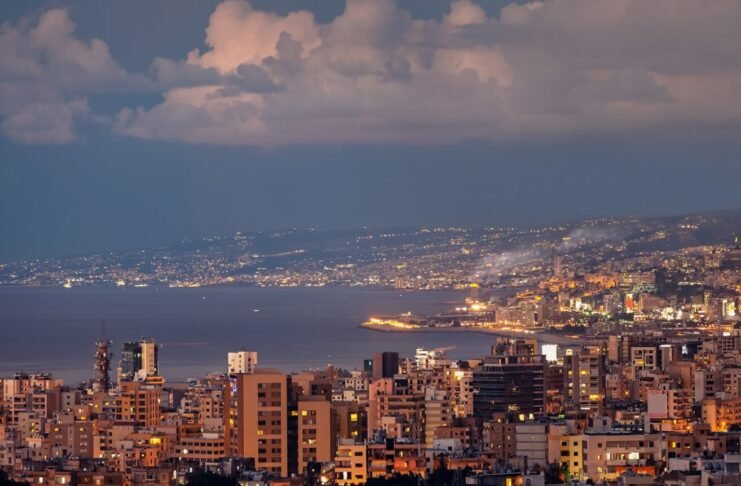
[(351, 463), (385, 365), (262, 419), (532, 444), (139, 403), (241, 362), (584, 381), (509, 383), (606, 455), (139, 360), (316, 432)]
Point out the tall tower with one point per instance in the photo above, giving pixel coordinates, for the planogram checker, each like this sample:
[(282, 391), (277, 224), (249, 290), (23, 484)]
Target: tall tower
[(102, 362)]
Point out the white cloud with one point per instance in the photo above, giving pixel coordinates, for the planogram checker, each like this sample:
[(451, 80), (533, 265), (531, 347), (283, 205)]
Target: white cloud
[(45, 75), (375, 74)]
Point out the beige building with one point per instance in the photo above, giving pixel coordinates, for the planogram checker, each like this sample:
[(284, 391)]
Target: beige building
[(721, 414), (262, 419), (584, 381), (351, 463), (241, 362), (437, 414), (138, 403), (315, 431), (205, 448), (607, 455)]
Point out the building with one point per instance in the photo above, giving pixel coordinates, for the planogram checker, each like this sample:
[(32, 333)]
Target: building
[(385, 365), (350, 420), (500, 438), (584, 380), (532, 444), (387, 457), (203, 448), (102, 365), (316, 434), (139, 403), (262, 419), (241, 362), (393, 409), (350, 463), (509, 383), (644, 358), (139, 360), (606, 455)]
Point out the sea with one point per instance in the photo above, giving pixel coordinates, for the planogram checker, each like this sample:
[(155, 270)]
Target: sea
[(293, 329)]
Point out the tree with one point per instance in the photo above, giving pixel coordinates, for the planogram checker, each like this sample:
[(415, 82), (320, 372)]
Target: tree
[(441, 476), (205, 478), (395, 480), (553, 473), (6, 481)]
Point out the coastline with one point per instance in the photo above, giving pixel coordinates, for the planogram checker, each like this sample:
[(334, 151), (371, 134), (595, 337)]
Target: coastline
[(546, 337)]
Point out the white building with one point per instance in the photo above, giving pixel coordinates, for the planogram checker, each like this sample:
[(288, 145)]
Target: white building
[(241, 362)]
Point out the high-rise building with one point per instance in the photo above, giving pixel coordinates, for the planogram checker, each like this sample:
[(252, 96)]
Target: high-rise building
[(385, 365), (437, 414), (150, 358), (241, 362), (102, 380), (584, 380), (396, 411), (262, 419), (508, 382), (139, 360), (316, 433)]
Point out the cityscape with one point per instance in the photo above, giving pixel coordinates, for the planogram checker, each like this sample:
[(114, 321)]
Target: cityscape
[(602, 369), (370, 243), (410, 258)]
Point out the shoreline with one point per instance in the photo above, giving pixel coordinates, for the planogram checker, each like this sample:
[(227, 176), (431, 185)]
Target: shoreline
[(546, 337)]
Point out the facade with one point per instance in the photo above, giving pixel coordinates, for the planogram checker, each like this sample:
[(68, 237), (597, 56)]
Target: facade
[(138, 403), (351, 463), (385, 365), (509, 383), (262, 419), (584, 380), (241, 362), (139, 360), (316, 433)]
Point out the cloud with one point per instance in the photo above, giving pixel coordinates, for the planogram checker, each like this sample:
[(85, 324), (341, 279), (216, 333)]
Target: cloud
[(46, 74), (375, 74)]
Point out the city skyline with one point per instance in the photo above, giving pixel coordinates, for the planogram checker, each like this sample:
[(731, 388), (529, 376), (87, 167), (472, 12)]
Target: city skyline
[(370, 243)]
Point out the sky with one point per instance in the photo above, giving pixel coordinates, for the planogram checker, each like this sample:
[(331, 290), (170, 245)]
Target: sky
[(130, 124)]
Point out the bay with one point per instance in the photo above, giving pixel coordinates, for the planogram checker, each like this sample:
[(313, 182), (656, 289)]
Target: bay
[(55, 329)]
